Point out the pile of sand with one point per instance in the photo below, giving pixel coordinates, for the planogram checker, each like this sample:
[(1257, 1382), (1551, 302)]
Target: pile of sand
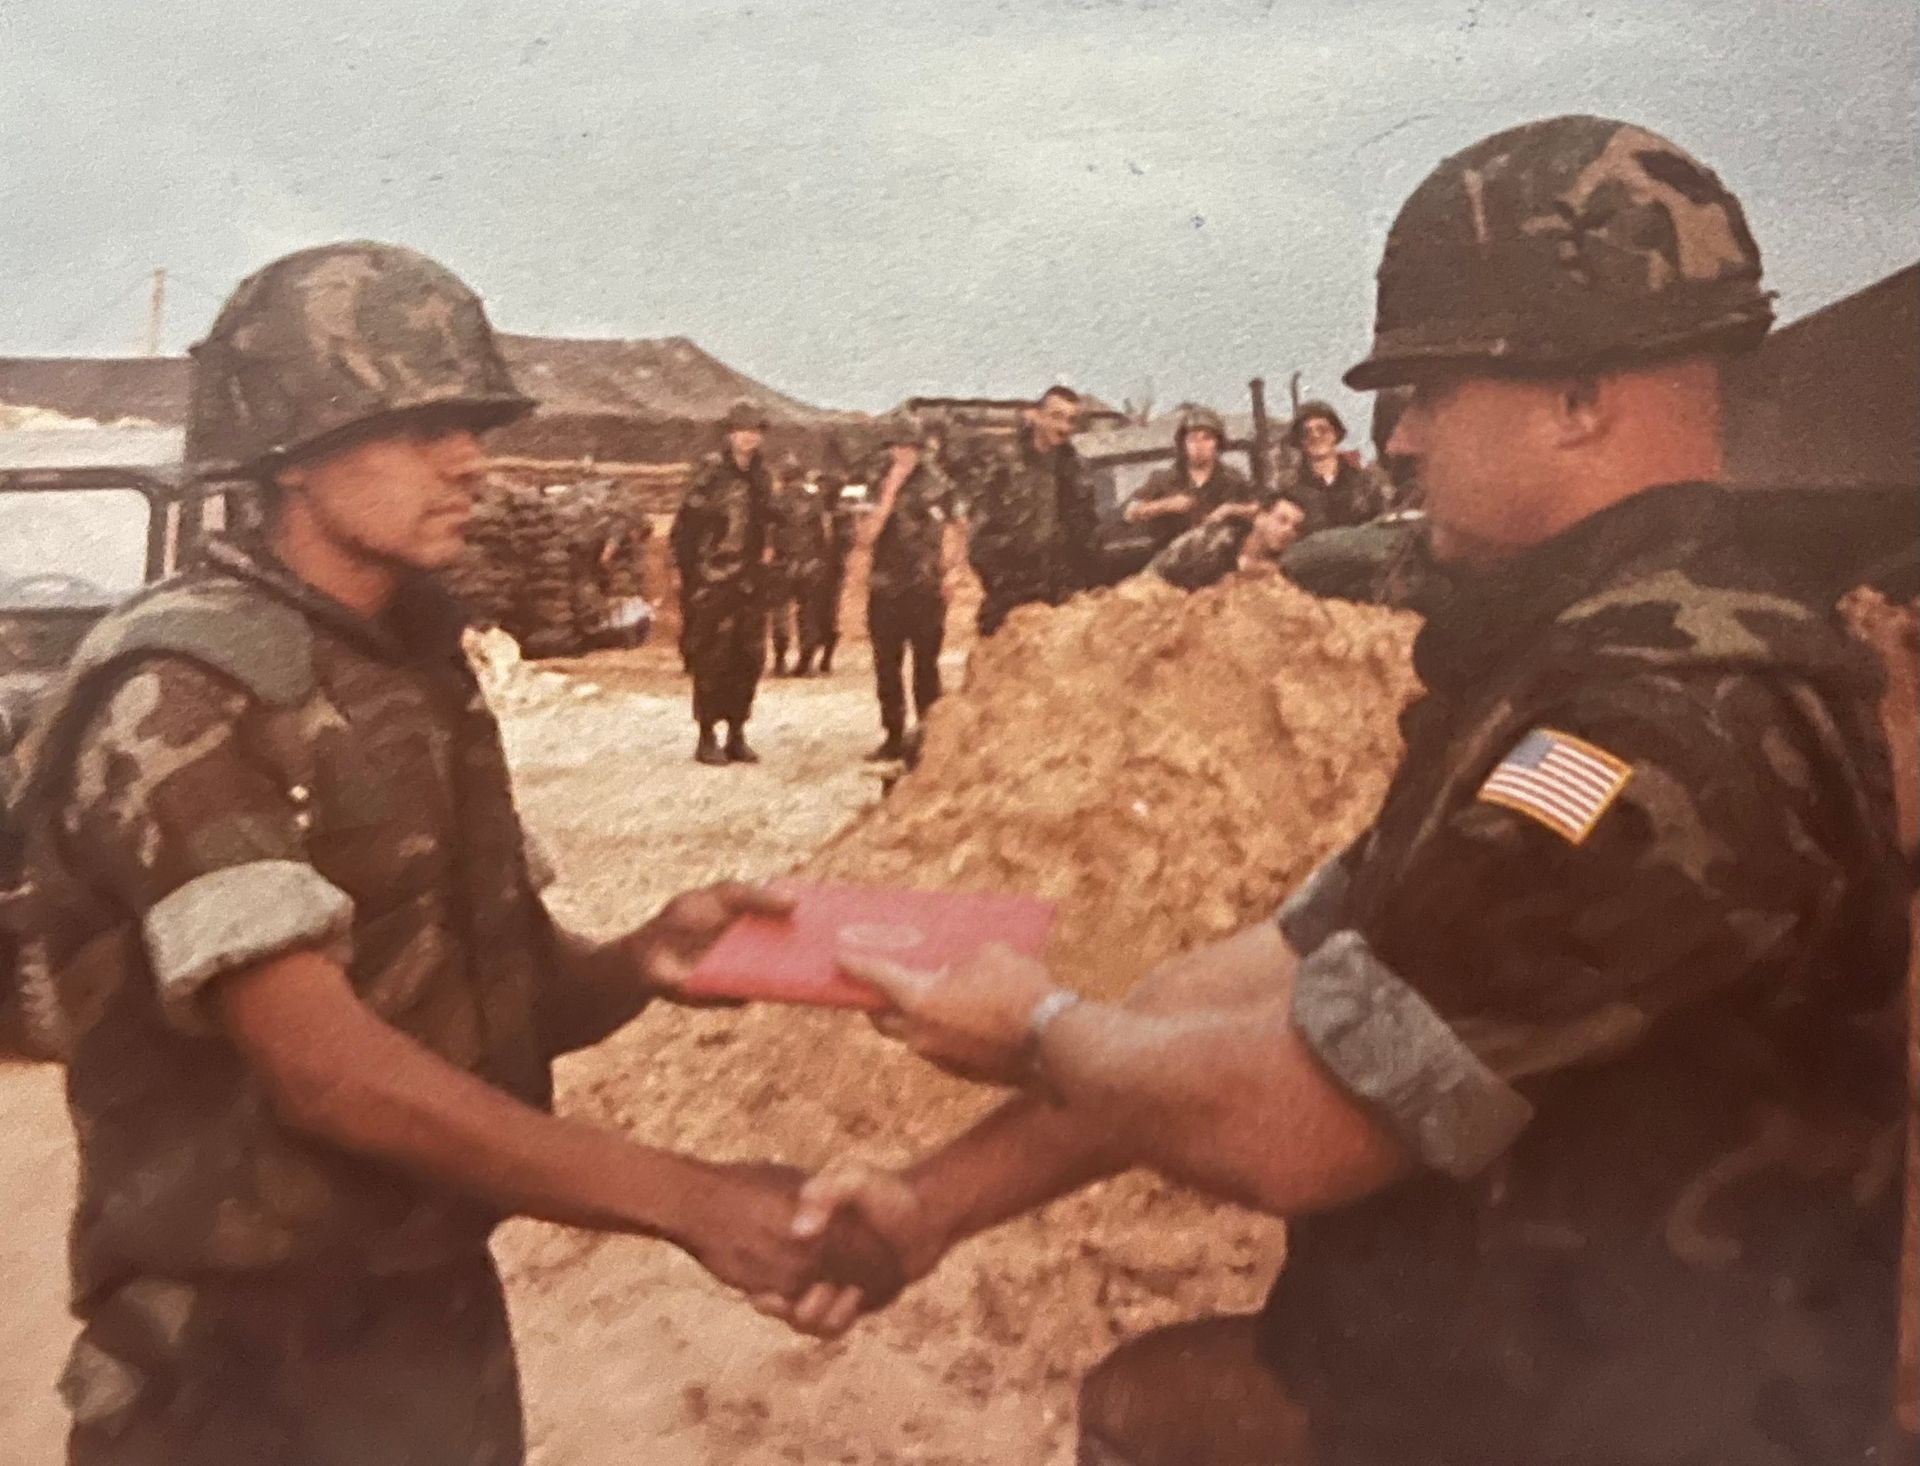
[(1163, 766)]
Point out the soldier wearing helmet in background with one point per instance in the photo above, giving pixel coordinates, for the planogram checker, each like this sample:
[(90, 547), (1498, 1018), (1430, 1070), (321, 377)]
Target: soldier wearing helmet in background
[(1578, 1073), (1199, 488), (795, 545), (1331, 488), (820, 602), (307, 991), (906, 582), (720, 541)]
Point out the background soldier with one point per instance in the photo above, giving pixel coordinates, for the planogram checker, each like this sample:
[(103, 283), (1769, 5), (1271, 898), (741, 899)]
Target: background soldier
[(906, 586), (720, 539), (1033, 517), (1331, 489), (309, 992), (820, 602), (1208, 553), (1198, 488), (1579, 1073), (793, 546)]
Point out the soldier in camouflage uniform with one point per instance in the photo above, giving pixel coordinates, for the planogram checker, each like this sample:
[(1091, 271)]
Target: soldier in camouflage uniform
[(1578, 1073), (1209, 553), (1198, 488), (720, 543), (906, 583), (804, 528), (789, 543), (305, 986), (820, 601), (1332, 490), (1033, 515)]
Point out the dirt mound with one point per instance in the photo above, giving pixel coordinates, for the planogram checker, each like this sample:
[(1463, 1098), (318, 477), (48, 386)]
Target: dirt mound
[(1164, 766)]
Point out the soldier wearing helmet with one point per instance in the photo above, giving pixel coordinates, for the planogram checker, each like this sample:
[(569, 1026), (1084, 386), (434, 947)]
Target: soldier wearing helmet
[(1198, 488), (1577, 1074), (796, 541), (906, 581), (721, 539), (307, 990), (1331, 489)]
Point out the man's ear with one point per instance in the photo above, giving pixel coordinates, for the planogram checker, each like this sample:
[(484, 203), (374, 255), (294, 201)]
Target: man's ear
[(1584, 410)]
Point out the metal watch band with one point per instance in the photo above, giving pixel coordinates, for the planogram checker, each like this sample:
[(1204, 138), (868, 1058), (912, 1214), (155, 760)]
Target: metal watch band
[(1039, 1021)]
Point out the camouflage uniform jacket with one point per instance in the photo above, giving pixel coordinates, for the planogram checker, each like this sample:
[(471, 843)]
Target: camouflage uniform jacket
[(1354, 496), (720, 535), (1204, 555), (1630, 1019), (1033, 525), (800, 534), (909, 548), (237, 768), (1225, 485)]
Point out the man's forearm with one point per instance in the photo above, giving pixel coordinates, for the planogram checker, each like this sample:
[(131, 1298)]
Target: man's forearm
[(597, 992), (1028, 1152), (335, 1071), (1023, 1155), (1228, 1099)]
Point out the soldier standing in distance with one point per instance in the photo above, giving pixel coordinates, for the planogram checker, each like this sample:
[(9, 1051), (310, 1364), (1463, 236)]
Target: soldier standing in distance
[(820, 603), (720, 539), (309, 993), (1198, 488), (906, 587), (1033, 515), (795, 540), (1578, 1074)]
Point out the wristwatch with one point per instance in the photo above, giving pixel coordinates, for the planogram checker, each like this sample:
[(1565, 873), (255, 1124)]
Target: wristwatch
[(1033, 1066)]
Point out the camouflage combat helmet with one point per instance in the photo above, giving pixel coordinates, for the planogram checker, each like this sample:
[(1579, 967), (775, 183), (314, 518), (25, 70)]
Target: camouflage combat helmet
[(1203, 418), (1571, 243), (326, 342), (742, 416), (1312, 410), (900, 428)]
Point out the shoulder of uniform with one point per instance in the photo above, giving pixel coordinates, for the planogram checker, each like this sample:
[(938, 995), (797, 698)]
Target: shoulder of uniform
[(1718, 749), (233, 628)]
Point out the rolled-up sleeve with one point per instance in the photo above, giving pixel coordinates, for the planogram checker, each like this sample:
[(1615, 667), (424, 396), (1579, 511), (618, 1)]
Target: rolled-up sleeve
[(1388, 1047), (1314, 911), (177, 811)]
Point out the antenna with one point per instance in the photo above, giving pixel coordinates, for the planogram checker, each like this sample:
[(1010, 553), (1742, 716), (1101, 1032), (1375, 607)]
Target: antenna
[(156, 313)]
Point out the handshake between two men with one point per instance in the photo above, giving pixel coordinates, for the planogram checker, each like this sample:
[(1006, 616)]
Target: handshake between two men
[(1197, 1072)]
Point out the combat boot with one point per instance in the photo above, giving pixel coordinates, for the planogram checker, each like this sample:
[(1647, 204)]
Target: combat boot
[(737, 751), (707, 750)]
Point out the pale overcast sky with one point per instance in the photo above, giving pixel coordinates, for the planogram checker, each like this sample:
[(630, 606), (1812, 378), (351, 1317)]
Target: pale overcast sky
[(860, 199)]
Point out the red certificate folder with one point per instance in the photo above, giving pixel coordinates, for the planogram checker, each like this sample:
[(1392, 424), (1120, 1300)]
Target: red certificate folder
[(796, 958)]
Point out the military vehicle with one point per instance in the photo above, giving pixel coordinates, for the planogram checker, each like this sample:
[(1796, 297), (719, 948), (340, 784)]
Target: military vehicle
[(87, 516)]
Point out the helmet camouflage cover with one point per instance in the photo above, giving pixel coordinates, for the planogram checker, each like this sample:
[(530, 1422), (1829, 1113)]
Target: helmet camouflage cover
[(328, 341), (1195, 418), (1571, 243)]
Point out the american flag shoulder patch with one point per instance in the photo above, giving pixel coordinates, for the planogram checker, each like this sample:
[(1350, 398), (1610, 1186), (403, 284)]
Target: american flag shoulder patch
[(1563, 782)]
